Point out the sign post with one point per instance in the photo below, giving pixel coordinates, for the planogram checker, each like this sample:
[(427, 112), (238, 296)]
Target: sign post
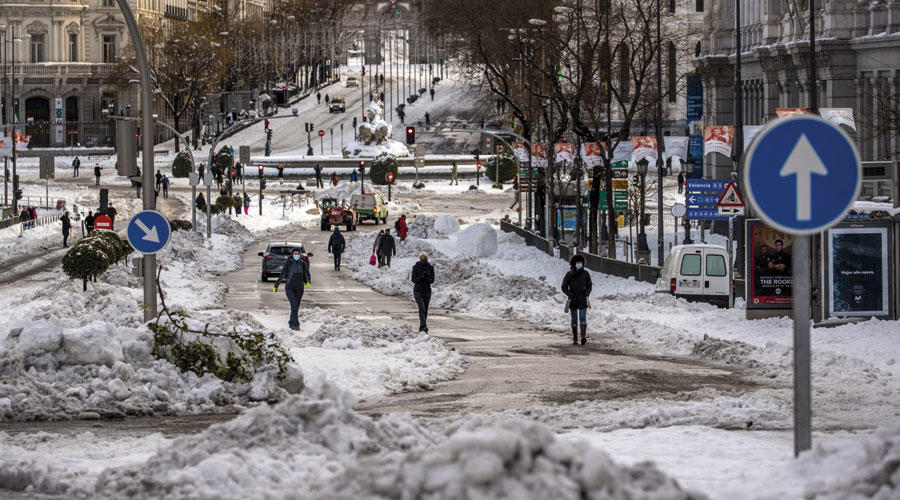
[(730, 204), (802, 174), (322, 142), (678, 211), (390, 179)]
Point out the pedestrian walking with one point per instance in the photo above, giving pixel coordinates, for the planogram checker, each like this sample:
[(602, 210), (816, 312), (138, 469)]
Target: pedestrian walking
[(76, 165), (111, 212), (318, 170), (66, 228), (165, 186), (158, 180), (427, 119), (246, 204), (354, 176), (386, 249), (432, 93), (280, 174), (577, 287), (319, 97), (454, 171), (239, 172), (377, 245), (295, 276), (335, 179), (401, 228), (89, 222), (326, 100), (266, 125), (97, 170), (336, 246), (138, 184), (200, 202), (422, 277), (680, 182)]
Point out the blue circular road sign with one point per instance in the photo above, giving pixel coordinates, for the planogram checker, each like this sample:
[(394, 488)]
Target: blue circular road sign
[(149, 232), (802, 174)]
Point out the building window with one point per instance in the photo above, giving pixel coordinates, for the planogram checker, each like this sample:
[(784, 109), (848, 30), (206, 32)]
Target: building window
[(109, 48), (699, 6), (673, 70), (37, 48), (109, 3), (73, 47)]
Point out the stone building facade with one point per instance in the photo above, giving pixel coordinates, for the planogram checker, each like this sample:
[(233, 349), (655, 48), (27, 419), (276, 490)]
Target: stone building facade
[(858, 63)]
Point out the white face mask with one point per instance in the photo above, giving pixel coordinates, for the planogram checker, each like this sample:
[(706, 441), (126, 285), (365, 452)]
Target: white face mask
[(578, 265), (296, 257)]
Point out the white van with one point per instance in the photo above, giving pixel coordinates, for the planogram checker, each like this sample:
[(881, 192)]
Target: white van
[(698, 273)]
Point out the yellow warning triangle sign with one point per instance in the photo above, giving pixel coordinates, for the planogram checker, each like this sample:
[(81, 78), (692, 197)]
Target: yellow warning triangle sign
[(731, 197)]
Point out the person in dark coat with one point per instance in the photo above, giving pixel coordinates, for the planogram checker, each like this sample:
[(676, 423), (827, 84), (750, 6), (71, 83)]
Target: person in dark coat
[(295, 276), (577, 287), (336, 246), (401, 228), (97, 170), (680, 182), (387, 248), (200, 202), (112, 213), (66, 228), (318, 170), (76, 165), (165, 186), (158, 180), (422, 276), (89, 222), (377, 245)]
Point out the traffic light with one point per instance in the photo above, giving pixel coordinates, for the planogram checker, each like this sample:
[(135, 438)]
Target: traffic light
[(362, 166), (260, 171), (269, 135), (410, 135), (262, 183), (18, 194), (565, 139)]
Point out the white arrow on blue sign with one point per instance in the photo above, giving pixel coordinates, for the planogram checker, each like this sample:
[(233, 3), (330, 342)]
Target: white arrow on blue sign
[(149, 232), (802, 174), (705, 213), (702, 200)]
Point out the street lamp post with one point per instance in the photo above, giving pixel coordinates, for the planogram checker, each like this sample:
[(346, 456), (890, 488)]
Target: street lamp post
[(643, 249), (13, 118), (660, 146)]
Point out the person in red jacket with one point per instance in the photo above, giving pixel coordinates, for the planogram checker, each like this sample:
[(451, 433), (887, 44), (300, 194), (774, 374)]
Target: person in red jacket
[(400, 227)]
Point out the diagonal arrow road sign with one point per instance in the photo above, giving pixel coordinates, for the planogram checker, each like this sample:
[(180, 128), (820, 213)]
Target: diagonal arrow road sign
[(149, 234)]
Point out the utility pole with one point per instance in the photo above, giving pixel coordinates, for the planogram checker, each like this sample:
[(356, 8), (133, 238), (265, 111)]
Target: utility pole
[(660, 147), (737, 149)]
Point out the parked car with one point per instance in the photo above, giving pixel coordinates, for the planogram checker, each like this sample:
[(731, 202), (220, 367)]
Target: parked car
[(336, 213), (370, 206), (275, 256), (337, 105), (352, 81), (697, 273)]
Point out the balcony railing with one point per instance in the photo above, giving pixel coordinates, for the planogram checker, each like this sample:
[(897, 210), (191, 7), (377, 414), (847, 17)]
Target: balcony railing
[(60, 69)]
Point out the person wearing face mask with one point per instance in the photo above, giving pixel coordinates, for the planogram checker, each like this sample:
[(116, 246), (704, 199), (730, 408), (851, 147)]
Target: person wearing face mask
[(294, 275), (577, 287)]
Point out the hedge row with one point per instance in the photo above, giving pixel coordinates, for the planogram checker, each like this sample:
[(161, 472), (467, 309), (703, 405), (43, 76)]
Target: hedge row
[(93, 255)]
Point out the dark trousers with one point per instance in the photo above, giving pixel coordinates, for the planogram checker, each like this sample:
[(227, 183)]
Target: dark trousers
[(319, 182), (65, 238), (294, 297), (337, 260), (384, 260), (423, 298)]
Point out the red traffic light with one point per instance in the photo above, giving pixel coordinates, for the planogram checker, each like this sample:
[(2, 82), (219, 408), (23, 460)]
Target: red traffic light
[(410, 130), (564, 139), (478, 165), (260, 170), (390, 177), (362, 164)]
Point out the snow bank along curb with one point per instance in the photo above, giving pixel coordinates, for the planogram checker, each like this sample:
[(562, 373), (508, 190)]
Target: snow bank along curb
[(68, 354), (315, 446)]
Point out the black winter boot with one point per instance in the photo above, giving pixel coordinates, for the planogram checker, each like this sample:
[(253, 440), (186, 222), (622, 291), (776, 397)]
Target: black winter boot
[(583, 333), (574, 334)]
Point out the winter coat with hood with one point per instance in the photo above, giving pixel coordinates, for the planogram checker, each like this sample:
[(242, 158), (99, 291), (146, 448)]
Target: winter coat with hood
[(423, 276), (577, 287), (295, 273), (402, 229), (386, 245), (336, 243)]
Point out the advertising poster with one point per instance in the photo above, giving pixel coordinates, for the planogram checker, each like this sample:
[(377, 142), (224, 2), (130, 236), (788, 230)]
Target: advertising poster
[(769, 274), (539, 154), (520, 150), (644, 147), (592, 154), (675, 146), (858, 278), (839, 116), (565, 152)]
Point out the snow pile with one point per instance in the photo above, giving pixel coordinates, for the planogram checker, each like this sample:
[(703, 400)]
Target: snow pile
[(477, 240), (446, 224), (869, 469), (315, 444), (422, 226), (68, 354), (370, 358)]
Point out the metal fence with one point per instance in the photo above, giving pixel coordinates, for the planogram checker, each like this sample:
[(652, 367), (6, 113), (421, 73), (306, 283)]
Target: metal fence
[(40, 221)]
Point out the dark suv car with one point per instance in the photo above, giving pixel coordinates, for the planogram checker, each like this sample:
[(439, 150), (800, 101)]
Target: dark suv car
[(276, 254)]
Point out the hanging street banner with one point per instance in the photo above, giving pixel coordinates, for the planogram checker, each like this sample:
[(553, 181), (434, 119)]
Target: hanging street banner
[(675, 146), (520, 150), (592, 154), (565, 153), (718, 139), (769, 278), (750, 132), (622, 151), (539, 153), (644, 147), (839, 116), (782, 112)]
